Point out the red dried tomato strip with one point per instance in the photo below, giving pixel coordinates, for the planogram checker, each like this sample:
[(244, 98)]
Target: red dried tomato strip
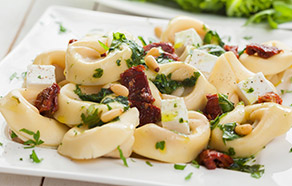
[(171, 56), (166, 47), (270, 97), (47, 100), (262, 51), (140, 94), (72, 41), (212, 159), (212, 109), (233, 49)]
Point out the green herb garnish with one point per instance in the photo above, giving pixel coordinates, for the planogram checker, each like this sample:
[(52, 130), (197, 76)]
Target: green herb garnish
[(103, 45), (214, 123), (13, 135), (62, 29), (213, 49), (36, 137), (160, 145), (33, 156), (212, 37), (142, 40), (98, 73), (39, 76), (118, 62), (290, 150), (92, 97), (194, 163), (91, 118), (285, 91), (231, 151), (13, 76), (189, 176), (228, 132), (224, 103), (1, 144), (247, 37), (122, 156), (250, 90), (149, 163), (179, 167)]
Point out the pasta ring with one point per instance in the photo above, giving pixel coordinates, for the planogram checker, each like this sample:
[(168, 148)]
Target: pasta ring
[(181, 23), (56, 58), (269, 121), (19, 114), (82, 143), (179, 148), (86, 54), (71, 106)]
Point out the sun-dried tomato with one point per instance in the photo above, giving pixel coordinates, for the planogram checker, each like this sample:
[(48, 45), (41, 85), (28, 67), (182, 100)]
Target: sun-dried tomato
[(166, 47), (47, 100), (270, 97), (262, 51), (171, 56), (140, 94), (212, 159), (72, 41), (212, 109), (233, 49)]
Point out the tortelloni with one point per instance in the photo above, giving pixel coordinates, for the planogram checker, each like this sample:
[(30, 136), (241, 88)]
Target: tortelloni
[(271, 67), (91, 53), (268, 120), (56, 58), (194, 96), (84, 143), (20, 113), (181, 23), (177, 147), (71, 107)]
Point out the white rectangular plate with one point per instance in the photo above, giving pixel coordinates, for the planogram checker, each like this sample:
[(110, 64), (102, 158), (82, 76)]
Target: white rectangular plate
[(45, 36)]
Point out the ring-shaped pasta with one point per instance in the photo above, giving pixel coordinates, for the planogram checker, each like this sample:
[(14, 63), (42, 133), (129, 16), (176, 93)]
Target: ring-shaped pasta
[(194, 97), (86, 54), (272, 65), (71, 107), (84, 143), (19, 114), (181, 23), (269, 120), (56, 58), (178, 148)]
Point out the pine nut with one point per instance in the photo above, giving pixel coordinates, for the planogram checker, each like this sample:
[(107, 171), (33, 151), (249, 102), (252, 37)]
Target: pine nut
[(152, 63), (120, 90), (153, 52), (110, 115), (158, 31), (243, 129)]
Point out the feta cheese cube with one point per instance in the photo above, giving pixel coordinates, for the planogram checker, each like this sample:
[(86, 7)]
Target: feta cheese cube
[(202, 60), (174, 115), (250, 89), (185, 38), (40, 76)]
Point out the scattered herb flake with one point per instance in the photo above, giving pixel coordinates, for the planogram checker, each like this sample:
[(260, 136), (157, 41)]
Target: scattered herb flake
[(231, 151), (23, 74), (13, 135), (179, 167), (224, 103), (122, 156), (98, 73), (33, 156), (36, 137), (142, 40), (250, 90), (39, 76), (285, 91), (91, 118), (1, 144), (20, 159), (118, 62), (160, 145), (149, 163), (228, 132), (290, 150), (212, 37), (247, 37), (13, 76), (103, 45), (195, 164), (240, 164), (189, 176), (62, 29)]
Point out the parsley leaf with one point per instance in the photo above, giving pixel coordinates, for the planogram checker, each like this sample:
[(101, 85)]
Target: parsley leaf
[(213, 49), (290, 150), (122, 156), (118, 62), (189, 176), (98, 73), (13, 135), (92, 118), (214, 123), (228, 132), (36, 137), (194, 163), (1, 144), (62, 29), (13, 76), (92, 97), (231, 151), (179, 167), (224, 103), (149, 163), (33, 156), (142, 40), (160, 145), (212, 37), (103, 45)]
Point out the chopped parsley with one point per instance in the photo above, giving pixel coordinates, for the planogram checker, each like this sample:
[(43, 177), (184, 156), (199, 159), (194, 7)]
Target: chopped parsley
[(39, 76), (33, 156), (13, 135), (13, 76), (240, 164), (213, 49), (149, 163), (224, 103), (92, 97), (103, 45), (175, 105), (1, 144), (247, 37), (212, 37), (98, 73), (241, 52), (228, 132), (250, 90), (290, 79), (179, 167), (189, 176), (122, 156), (162, 59), (142, 40), (160, 145), (62, 29), (20, 159), (231, 151), (36, 137), (194, 163), (166, 85), (109, 107), (214, 123), (290, 150), (181, 120), (120, 99), (137, 51), (91, 118), (23, 74), (285, 91), (118, 62)]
